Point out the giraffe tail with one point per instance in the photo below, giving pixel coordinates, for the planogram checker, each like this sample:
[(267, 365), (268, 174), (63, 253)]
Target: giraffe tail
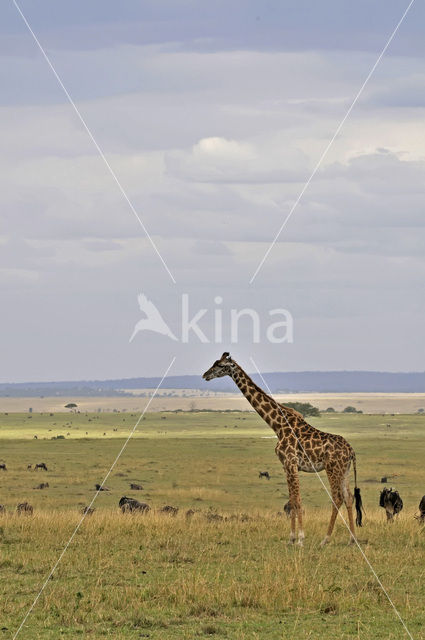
[(357, 496)]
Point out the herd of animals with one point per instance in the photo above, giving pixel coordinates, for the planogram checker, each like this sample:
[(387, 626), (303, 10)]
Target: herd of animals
[(127, 505), (389, 499)]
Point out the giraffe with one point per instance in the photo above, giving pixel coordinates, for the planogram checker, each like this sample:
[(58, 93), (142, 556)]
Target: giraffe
[(300, 447)]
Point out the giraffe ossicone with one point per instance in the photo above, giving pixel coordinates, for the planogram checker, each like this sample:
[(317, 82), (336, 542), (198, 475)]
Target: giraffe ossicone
[(300, 447)]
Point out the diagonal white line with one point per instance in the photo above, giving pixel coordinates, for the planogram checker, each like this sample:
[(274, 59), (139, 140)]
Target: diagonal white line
[(339, 512), (330, 143), (91, 136), (45, 583)]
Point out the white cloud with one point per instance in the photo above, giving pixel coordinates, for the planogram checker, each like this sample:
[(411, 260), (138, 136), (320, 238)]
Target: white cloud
[(221, 160)]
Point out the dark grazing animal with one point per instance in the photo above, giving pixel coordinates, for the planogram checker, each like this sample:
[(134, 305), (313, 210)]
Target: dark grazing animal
[(3, 466), (287, 509), (100, 487), (171, 511), (264, 474), (391, 501), (40, 465), (43, 485), (136, 487), (130, 505), (421, 516), (211, 516), (24, 508)]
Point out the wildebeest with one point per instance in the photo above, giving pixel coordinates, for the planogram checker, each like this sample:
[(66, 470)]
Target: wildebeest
[(172, 511), (24, 508), (189, 513), (384, 479), (29, 466), (3, 466), (421, 516), (130, 505), (41, 465), (264, 474), (287, 509), (211, 516), (392, 503), (43, 485), (100, 487), (136, 487)]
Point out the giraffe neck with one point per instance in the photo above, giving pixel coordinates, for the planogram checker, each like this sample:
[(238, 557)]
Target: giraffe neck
[(266, 407)]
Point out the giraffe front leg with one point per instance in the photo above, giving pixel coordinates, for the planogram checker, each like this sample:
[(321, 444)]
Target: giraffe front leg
[(295, 504)]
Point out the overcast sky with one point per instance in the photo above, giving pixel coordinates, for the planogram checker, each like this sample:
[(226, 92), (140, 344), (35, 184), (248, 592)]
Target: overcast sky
[(212, 116)]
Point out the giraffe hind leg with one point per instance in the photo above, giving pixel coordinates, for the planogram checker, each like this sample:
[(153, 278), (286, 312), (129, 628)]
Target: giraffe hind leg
[(348, 500), (337, 500)]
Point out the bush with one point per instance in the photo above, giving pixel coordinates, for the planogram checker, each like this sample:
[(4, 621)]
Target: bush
[(305, 408), (351, 410)]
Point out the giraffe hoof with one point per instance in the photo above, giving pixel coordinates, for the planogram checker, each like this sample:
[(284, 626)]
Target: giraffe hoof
[(324, 542), (300, 543)]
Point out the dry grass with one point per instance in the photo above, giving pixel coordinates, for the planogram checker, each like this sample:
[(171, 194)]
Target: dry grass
[(163, 575)]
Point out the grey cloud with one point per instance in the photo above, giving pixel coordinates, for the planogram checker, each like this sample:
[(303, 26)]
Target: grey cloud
[(100, 245), (349, 264), (206, 247), (238, 24)]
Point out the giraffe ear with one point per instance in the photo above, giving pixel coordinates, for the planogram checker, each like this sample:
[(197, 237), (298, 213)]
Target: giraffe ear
[(225, 356)]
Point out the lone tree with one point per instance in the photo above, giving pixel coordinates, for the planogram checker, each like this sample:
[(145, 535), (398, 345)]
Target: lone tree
[(71, 406)]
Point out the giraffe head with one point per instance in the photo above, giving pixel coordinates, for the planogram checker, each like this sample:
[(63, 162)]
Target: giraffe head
[(220, 368)]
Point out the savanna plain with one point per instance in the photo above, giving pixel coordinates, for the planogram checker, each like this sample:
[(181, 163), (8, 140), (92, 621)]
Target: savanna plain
[(226, 571)]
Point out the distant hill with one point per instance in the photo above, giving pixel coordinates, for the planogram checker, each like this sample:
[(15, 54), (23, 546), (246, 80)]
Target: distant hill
[(284, 382)]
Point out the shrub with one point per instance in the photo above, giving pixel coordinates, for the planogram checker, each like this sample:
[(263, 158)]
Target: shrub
[(305, 408), (352, 410)]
